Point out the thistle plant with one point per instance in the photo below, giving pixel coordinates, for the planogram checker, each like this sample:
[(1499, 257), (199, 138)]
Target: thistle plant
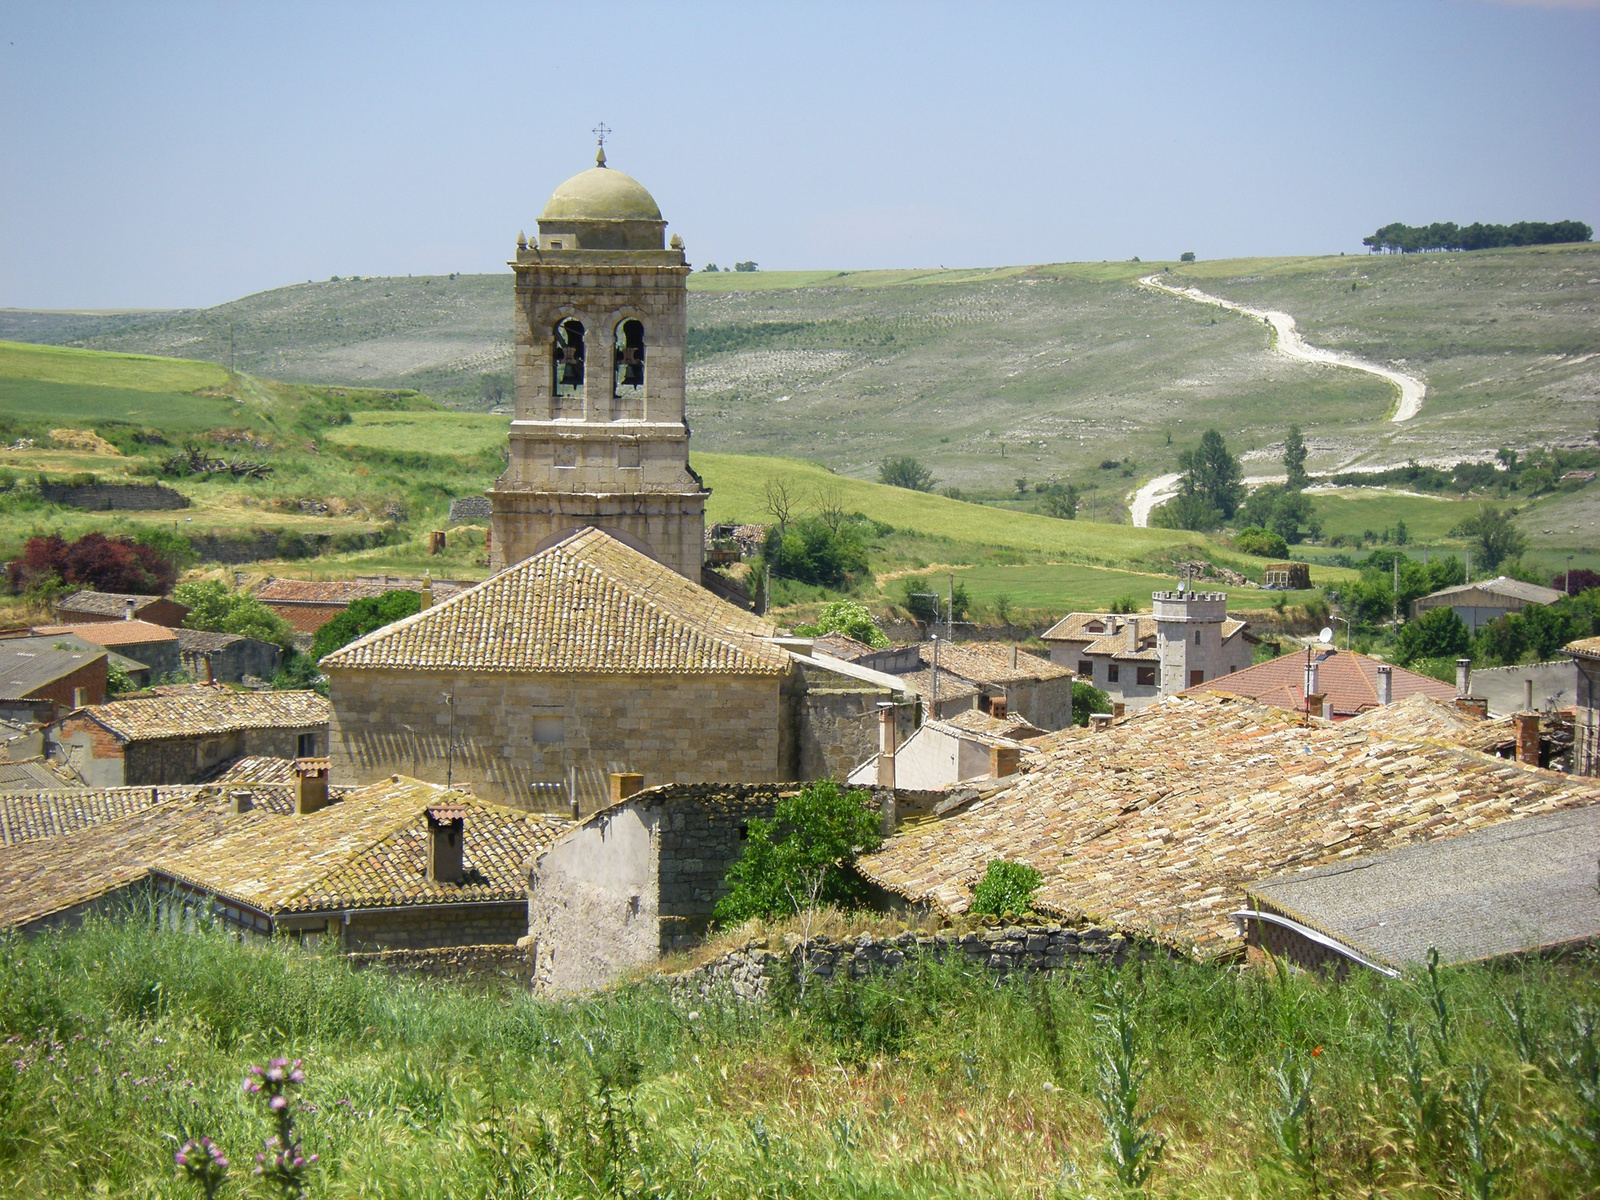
[(1132, 1151), (204, 1165), (282, 1162), (1293, 1121), (1477, 1176)]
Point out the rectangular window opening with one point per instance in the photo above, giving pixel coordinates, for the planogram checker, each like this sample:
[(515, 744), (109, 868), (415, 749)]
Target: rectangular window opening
[(1113, 673)]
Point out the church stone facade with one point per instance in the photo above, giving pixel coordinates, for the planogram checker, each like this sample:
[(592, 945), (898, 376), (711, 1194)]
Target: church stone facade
[(600, 437)]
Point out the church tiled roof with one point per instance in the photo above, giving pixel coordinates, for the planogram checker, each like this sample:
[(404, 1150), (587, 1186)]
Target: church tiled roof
[(587, 604)]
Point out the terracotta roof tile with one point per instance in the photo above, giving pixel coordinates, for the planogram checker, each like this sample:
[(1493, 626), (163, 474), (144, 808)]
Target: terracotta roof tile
[(112, 633), (983, 662), (587, 604), (319, 591), (38, 816), (1348, 679), (253, 769), (1584, 647), (951, 686), (201, 710), (1158, 822)]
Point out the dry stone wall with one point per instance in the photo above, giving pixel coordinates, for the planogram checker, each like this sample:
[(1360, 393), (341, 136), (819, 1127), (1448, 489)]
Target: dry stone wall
[(486, 964), (748, 971)]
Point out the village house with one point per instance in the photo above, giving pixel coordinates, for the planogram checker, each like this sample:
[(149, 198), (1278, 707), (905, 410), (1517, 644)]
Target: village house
[(1342, 683), (309, 604), (80, 608), (1187, 639), (42, 677), (226, 657), (955, 677), (1158, 823), (938, 754), (588, 659), (154, 647), (1585, 654), (1488, 600), (185, 732)]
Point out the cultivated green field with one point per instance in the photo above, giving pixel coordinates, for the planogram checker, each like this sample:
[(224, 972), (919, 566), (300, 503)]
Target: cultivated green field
[(423, 432)]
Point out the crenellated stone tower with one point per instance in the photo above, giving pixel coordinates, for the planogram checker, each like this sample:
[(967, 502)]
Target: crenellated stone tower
[(600, 438)]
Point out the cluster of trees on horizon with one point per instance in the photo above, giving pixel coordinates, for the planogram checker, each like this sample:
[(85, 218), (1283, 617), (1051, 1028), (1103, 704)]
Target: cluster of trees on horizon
[(1399, 238)]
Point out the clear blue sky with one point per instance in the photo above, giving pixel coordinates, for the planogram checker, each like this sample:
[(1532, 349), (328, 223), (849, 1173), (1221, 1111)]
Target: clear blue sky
[(158, 155)]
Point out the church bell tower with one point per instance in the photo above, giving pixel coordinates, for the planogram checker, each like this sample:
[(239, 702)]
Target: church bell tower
[(600, 437)]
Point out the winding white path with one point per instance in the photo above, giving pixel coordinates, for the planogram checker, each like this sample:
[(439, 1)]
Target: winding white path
[(1289, 343)]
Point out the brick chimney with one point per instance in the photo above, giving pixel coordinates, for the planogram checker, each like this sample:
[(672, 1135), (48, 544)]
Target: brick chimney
[(1117, 709), (447, 830), (888, 743), (240, 802), (1527, 737), (1004, 760), (1316, 704), (1385, 684), (625, 784), (1478, 706), (997, 706), (310, 785), (1463, 678)]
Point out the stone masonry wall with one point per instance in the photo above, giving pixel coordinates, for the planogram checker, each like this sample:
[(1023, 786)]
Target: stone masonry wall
[(421, 929), (748, 971), (838, 728), (485, 964), (669, 728), (105, 497)]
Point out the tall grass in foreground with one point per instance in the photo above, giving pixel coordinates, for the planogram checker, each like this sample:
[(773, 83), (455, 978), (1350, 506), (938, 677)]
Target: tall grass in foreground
[(127, 1042)]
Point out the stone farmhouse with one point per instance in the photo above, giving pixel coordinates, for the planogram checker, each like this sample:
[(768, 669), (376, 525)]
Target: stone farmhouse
[(183, 733), (588, 659), (956, 677), (80, 608), (153, 647), (226, 657), (939, 754), (1585, 654), (1339, 683), (43, 677), (1488, 600), (1159, 823), (1187, 640)]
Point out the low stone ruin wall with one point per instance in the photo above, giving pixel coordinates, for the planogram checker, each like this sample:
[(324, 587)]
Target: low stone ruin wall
[(483, 964), (108, 497), (748, 971)]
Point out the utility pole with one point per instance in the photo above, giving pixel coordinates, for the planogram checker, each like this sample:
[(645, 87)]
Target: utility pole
[(230, 347), (1566, 582), (1396, 614), (450, 746)]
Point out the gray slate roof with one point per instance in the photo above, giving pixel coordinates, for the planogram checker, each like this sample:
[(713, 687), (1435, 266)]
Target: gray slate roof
[(105, 604), (30, 663), (1515, 886)]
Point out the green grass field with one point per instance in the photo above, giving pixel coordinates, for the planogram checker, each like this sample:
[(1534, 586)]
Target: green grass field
[(461, 434), (134, 372)]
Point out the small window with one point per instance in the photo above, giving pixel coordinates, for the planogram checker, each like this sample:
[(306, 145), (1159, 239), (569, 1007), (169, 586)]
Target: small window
[(629, 356), (1196, 637), (306, 746), (549, 728), (744, 831), (1113, 673), (1146, 676), (568, 358), (1085, 668), (1196, 678)]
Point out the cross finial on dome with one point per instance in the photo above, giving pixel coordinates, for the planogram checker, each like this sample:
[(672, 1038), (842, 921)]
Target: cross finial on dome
[(600, 132)]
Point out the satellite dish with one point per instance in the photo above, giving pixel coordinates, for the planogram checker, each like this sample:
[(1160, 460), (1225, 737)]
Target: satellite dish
[(1326, 635)]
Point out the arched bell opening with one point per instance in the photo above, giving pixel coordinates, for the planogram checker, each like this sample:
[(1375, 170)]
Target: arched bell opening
[(567, 358), (629, 358)]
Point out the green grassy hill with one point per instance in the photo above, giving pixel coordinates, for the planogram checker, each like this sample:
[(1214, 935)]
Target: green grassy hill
[(988, 375)]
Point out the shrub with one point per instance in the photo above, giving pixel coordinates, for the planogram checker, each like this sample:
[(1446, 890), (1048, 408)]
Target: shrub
[(905, 472), (1494, 536), (1086, 699), (797, 860), (1261, 542), (1125, 605), (813, 551), (118, 681), (362, 617), (105, 564), (1194, 513), (1504, 640), (216, 607), (1006, 887), (1438, 633), (849, 618)]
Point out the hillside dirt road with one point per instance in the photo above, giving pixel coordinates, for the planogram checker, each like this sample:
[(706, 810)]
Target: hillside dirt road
[(1289, 343)]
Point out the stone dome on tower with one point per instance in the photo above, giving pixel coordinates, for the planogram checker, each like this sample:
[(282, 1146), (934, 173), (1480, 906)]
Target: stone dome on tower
[(602, 209)]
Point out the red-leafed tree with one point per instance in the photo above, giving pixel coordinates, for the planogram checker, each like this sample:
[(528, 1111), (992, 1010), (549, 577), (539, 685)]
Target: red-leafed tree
[(96, 561)]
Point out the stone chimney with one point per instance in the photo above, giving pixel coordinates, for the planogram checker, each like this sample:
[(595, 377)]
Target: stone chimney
[(1118, 708), (240, 802), (625, 784), (427, 590), (888, 743), (127, 609), (447, 830), (1316, 704), (1385, 684), (1463, 678), (1527, 737), (80, 697), (1004, 760), (1132, 628), (310, 785), (1011, 657), (210, 678)]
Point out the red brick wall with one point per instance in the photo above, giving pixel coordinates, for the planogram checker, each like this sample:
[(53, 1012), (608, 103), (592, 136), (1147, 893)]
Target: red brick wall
[(306, 618), (105, 746), (91, 677)]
